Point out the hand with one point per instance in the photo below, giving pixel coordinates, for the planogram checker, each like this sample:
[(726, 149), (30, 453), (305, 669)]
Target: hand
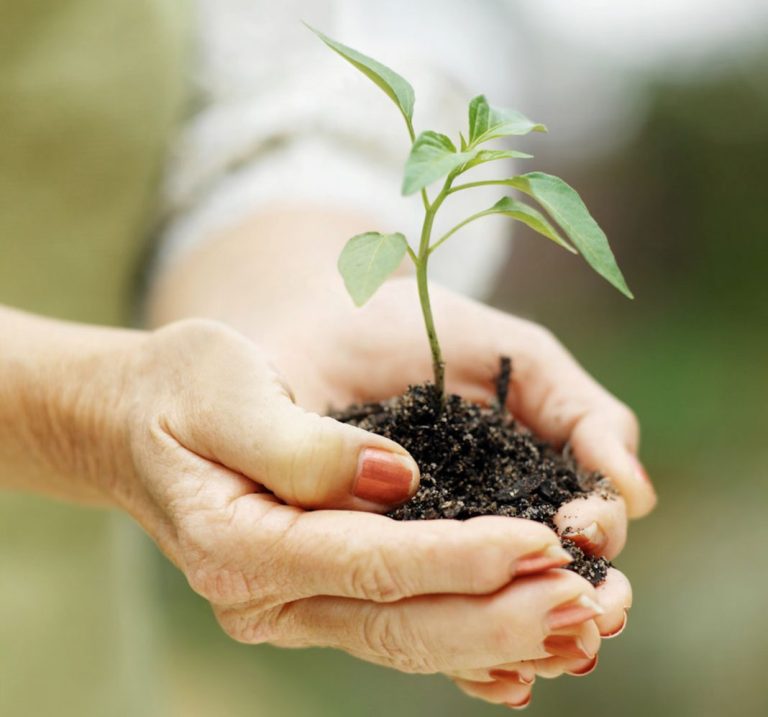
[(334, 354), (217, 464), (375, 352)]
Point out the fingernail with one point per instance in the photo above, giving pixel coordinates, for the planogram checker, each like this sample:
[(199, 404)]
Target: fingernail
[(591, 539), (617, 631), (511, 676), (573, 613), (384, 477), (553, 556), (589, 667), (565, 646), (520, 705)]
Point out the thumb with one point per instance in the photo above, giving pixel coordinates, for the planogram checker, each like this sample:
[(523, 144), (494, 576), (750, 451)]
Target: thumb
[(239, 414), (316, 462)]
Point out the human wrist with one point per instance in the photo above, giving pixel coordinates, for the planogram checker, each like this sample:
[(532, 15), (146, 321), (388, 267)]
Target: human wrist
[(64, 392)]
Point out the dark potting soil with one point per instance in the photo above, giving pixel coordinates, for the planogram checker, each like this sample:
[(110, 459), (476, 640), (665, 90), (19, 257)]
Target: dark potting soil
[(477, 460)]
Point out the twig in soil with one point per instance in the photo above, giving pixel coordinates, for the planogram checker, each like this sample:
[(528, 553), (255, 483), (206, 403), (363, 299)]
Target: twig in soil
[(502, 383)]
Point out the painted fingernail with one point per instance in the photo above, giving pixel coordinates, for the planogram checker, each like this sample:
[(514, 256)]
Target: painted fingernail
[(586, 669), (383, 477), (566, 646), (573, 613), (520, 705), (590, 539), (553, 556), (617, 631), (510, 676)]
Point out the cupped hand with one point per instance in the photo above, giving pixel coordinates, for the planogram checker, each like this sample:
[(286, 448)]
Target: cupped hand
[(375, 352), (219, 466)]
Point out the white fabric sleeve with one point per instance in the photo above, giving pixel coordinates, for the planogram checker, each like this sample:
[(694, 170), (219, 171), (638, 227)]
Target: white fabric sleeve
[(282, 119)]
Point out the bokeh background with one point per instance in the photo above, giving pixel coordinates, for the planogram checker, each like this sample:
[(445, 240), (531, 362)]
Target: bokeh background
[(658, 113)]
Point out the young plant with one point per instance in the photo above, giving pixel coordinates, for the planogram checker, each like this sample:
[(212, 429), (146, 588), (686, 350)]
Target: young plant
[(368, 259)]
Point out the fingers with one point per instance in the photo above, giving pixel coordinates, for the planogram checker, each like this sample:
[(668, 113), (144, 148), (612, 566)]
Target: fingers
[(585, 635), (597, 524), (317, 462), (553, 395), (577, 665), (238, 412), (359, 555), (597, 447), (509, 693), (425, 634), (375, 558), (615, 597), (511, 683)]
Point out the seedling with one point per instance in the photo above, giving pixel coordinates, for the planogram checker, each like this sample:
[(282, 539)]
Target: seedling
[(368, 259)]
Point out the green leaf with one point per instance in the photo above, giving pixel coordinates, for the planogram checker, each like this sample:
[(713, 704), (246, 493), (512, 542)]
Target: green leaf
[(487, 122), (432, 156), (569, 211), (367, 260), (482, 156), (396, 87), (531, 217)]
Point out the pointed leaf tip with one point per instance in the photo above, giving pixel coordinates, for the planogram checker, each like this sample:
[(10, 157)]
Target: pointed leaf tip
[(567, 208), (487, 122), (396, 87)]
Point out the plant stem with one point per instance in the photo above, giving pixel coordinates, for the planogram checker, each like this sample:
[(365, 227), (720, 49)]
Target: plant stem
[(484, 183), (438, 365), (422, 260), (449, 234)]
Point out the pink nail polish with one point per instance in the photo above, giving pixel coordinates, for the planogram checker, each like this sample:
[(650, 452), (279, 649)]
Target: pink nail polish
[(586, 669), (383, 477), (572, 613), (565, 646), (553, 556), (617, 631)]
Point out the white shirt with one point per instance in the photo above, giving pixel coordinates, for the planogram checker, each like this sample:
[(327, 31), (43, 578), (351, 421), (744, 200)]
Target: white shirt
[(282, 118)]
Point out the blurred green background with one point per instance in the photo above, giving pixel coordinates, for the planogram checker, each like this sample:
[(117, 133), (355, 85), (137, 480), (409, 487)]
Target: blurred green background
[(680, 186)]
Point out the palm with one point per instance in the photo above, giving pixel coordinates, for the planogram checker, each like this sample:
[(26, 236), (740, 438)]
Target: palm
[(377, 351)]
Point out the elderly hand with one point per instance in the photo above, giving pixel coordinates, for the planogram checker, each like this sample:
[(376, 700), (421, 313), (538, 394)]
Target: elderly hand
[(375, 352), (207, 451), (333, 354)]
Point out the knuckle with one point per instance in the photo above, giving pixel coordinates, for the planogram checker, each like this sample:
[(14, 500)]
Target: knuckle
[(219, 585), (198, 330), (215, 580), (395, 643), (250, 627), (224, 568), (374, 578)]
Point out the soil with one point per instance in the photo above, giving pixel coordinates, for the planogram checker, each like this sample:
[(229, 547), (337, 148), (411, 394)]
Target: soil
[(477, 460)]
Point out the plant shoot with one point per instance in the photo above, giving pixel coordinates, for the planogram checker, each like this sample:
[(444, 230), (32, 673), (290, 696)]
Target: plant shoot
[(368, 259)]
